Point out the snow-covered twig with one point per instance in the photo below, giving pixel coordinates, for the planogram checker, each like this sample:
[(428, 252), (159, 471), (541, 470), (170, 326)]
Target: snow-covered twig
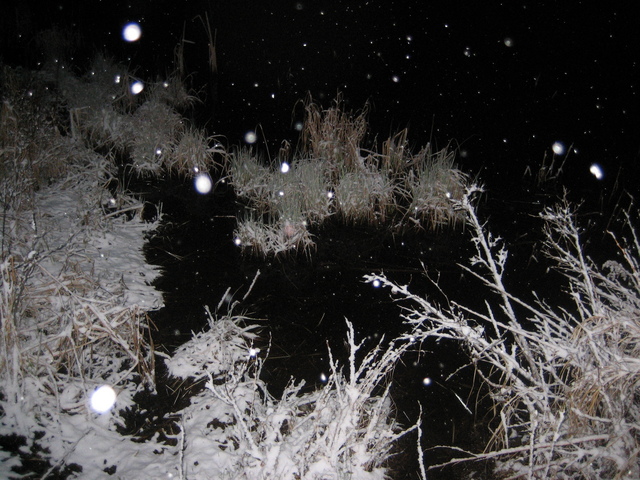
[(561, 387)]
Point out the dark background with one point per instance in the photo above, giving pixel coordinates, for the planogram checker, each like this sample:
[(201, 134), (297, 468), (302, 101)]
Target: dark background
[(502, 80)]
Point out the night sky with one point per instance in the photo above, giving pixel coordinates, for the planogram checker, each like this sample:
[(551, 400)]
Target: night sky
[(503, 80)]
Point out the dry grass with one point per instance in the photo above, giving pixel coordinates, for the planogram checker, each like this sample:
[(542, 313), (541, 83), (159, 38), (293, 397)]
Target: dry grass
[(193, 153), (365, 197), (332, 178), (67, 324), (275, 238), (334, 136), (342, 430), (156, 130), (435, 187), (173, 92)]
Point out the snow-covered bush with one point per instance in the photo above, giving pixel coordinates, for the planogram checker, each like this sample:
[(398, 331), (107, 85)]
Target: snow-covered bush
[(564, 380), (214, 351), (343, 430)]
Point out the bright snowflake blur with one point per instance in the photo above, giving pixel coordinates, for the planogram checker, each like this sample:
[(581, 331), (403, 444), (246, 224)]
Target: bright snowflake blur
[(597, 171), (137, 87), (558, 148), (250, 137), (203, 183), (131, 32), (102, 399)]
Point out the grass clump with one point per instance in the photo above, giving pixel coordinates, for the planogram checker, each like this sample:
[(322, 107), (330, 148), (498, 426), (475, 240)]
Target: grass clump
[(146, 131), (195, 153), (334, 136), (280, 237), (334, 175), (156, 129), (434, 187)]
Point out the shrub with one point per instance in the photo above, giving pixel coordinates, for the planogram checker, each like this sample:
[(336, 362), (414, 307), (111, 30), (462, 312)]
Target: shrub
[(564, 388), (342, 430)]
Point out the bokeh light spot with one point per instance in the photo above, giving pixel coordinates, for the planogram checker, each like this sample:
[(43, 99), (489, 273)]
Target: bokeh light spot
[(596, 171), (558, 148), (102, 399), (131, 32), (137, 87), (250, 137), (203, 183)]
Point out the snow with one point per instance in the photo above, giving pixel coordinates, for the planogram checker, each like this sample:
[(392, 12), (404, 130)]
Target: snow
[(75, 291), (74, 295)]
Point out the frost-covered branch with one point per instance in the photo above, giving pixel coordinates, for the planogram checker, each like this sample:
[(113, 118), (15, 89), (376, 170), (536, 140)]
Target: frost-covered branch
[(563, 387)]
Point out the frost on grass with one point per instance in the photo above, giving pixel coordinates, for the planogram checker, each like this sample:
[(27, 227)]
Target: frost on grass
[(564, 389), (343, 430), (74, 286), (335, 176), (146, 129)]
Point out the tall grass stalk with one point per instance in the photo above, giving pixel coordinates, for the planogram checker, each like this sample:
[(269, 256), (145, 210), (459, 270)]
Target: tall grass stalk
[(335, 136)]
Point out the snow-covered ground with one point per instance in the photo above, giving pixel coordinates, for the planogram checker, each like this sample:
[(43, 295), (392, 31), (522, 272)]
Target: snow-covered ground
[(88, 275), (75, 293)]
